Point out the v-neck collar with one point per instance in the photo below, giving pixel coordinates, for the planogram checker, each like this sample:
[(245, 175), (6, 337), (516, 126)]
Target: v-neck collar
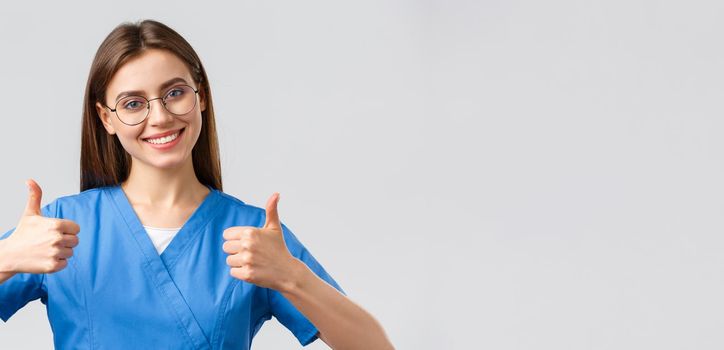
[(159, 268), (190, 230)]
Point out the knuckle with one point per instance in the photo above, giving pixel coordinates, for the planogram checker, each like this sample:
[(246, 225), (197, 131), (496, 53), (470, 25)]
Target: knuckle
[(55, 225), (246, 245), (54, 251)]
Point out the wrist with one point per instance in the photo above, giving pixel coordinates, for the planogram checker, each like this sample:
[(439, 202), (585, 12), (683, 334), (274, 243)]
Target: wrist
[(298, 273), (6, 265)]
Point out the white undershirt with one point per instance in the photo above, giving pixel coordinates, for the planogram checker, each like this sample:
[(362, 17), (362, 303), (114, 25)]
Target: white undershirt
[(161, 236)]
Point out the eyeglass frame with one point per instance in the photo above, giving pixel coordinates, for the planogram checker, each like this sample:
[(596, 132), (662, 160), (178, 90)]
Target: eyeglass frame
[(148, 105)]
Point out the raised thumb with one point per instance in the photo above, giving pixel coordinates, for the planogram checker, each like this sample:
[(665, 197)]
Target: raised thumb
[(272, 213), (34, 196)]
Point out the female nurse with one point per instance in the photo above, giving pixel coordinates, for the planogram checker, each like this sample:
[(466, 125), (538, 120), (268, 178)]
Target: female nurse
[(152, 253)]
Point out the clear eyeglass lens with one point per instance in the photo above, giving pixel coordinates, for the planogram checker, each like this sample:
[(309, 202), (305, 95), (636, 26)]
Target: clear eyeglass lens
[(178, 100)]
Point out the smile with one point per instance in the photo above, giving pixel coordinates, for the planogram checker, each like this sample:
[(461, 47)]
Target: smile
[(164, 139)]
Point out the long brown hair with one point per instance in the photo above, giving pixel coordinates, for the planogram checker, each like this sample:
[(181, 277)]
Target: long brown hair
[(103, 160)]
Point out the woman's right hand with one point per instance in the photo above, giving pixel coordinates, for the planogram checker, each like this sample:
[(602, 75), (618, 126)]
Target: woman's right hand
[(38, 244)]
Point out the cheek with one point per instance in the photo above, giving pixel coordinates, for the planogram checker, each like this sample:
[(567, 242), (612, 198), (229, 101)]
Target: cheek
[(196, 125), (128, 137)]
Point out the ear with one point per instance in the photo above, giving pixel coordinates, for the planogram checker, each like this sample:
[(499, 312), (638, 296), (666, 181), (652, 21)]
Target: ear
[(202, 99), (105, 115)]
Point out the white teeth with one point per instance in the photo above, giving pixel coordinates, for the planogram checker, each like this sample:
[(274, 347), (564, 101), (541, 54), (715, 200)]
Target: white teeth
[(162, 140)]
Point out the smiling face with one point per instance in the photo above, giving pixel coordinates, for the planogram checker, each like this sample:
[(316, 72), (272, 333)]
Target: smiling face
[(163, 140)]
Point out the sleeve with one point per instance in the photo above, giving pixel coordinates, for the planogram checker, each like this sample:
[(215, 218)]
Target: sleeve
[(23, 288), (283, 309)]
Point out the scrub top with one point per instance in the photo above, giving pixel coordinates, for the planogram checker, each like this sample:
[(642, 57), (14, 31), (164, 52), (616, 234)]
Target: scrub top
[(117, 292)]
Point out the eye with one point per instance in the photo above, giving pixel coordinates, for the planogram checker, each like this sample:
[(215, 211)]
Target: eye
[(133, 104), (175, 92)]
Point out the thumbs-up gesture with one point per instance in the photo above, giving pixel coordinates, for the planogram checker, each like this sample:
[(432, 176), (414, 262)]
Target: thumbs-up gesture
[(39, 244), (259, 255)]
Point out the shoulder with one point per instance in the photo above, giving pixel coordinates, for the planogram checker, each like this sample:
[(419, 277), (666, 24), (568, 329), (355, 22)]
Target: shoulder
[(92, 194), (251, 212), (244, 214), (84, 200), (235, 203)]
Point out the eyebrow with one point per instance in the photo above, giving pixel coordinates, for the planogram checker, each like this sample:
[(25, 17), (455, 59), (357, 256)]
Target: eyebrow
[(139, 92)]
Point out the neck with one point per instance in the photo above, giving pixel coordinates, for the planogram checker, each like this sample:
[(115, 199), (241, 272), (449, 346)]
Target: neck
[(163, 187)]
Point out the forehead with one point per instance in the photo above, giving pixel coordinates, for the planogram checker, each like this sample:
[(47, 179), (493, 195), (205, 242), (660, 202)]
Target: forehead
[(147, 72)]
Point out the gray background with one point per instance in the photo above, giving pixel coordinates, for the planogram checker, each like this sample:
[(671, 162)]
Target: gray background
[(477, 174)]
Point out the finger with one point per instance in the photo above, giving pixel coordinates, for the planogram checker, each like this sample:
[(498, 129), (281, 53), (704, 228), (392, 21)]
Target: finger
[(34, 196), (232, 246), (233, 232), (69, 241), (239, 232), (68, 227), (234, 260), (65, 253), (272, 214), (62, 263), (243, 273)]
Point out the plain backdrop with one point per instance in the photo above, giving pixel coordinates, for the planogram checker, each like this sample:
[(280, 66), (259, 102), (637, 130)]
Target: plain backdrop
[(476, 174)]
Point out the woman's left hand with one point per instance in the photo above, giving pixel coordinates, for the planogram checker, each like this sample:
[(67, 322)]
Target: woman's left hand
[(260, 255)]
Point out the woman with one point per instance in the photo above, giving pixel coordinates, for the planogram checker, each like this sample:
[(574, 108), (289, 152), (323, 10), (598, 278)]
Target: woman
[(151, 253)]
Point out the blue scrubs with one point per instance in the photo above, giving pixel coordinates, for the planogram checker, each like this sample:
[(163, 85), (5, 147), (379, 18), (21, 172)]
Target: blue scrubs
[(117, 292)]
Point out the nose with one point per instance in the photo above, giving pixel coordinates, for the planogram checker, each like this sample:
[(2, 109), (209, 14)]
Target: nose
[(158, 115)]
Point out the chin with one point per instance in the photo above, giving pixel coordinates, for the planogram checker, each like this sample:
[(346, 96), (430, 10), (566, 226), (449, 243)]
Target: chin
[(163, 162), (170, 163), (167, 165)]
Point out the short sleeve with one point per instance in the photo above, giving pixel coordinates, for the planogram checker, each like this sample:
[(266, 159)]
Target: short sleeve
[(23, 288), (283, 309)]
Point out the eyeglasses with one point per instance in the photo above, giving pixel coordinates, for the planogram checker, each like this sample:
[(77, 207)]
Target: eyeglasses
[(133, 110)]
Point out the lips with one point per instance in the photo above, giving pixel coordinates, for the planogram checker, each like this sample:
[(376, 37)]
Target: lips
[(156, 136)]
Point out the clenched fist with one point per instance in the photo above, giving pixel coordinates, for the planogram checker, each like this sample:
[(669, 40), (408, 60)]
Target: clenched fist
[(39, 244), (260, 255)]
